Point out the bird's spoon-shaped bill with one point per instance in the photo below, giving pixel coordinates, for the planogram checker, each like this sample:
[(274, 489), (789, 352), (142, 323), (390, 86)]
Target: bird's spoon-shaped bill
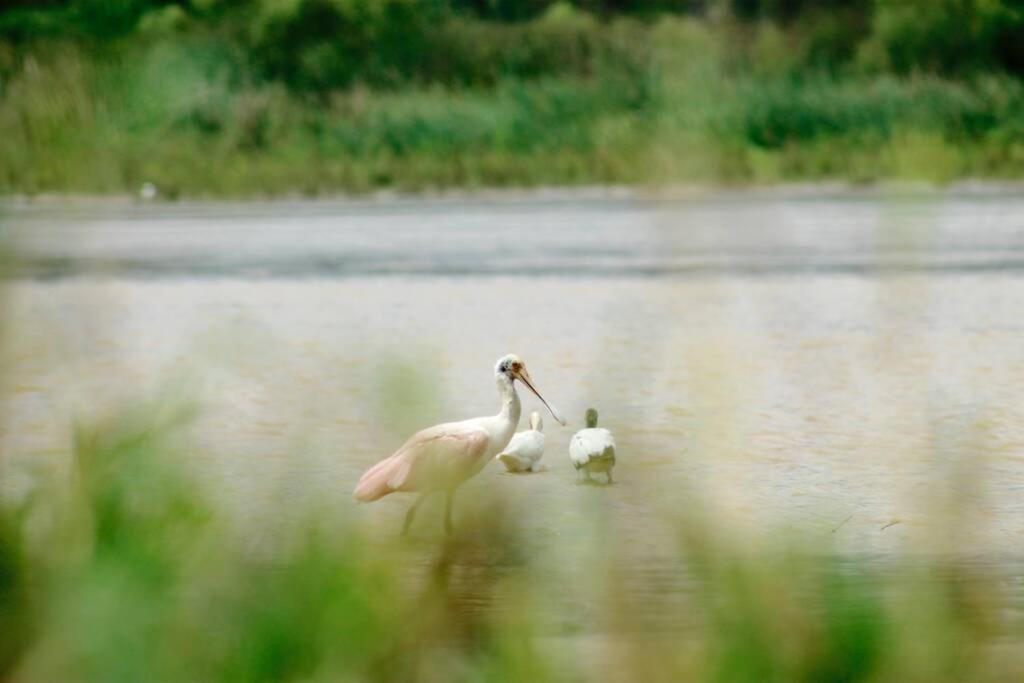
[(525, 377)]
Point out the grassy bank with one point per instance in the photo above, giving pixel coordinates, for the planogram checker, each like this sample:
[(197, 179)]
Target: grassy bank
[(561, 99)]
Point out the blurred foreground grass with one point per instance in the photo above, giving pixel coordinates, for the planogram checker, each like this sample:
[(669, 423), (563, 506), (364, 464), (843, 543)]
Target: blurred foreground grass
[(124, 571)]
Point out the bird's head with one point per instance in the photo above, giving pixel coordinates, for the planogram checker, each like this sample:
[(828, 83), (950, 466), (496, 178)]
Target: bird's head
[(509, 368)]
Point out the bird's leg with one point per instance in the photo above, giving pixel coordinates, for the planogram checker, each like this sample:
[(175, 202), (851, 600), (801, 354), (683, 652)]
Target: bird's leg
[(450, 498), (609, 473), (411, 514)]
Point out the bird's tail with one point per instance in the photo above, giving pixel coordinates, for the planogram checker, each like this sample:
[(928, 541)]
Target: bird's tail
[(385, 477), (509, 462)]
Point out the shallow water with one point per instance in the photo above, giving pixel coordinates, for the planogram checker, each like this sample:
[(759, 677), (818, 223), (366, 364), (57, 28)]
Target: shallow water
[(845, 365)]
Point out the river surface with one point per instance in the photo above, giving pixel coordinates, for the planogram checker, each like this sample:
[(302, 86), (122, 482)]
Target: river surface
[(848, 364)]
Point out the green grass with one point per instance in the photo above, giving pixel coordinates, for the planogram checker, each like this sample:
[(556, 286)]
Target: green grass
[(185, 114), (125, 571)]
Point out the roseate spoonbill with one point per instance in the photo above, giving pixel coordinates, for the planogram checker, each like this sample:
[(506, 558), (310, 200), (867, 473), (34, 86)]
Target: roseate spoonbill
[(593, 449), (441, 458), (526, 448)]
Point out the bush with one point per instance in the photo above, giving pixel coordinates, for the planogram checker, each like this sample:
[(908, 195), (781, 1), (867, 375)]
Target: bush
[(502, 10), (779, 113), (789, 10), (520, 10), (323, 44), (949, 36), (472, 52), (830, 39), (99, 19)]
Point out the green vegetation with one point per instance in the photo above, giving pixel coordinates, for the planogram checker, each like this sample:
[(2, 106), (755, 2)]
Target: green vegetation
[(242, 97), (130, 574)]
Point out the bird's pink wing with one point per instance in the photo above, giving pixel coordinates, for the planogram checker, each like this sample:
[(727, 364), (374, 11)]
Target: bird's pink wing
[(435, 458), (374, 482)]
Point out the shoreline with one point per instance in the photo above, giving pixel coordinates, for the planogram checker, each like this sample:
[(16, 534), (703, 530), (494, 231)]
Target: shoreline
[(552, 194)]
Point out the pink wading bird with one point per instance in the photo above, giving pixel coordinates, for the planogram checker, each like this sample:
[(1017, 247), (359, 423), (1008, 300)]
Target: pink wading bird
[(441, 458)]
